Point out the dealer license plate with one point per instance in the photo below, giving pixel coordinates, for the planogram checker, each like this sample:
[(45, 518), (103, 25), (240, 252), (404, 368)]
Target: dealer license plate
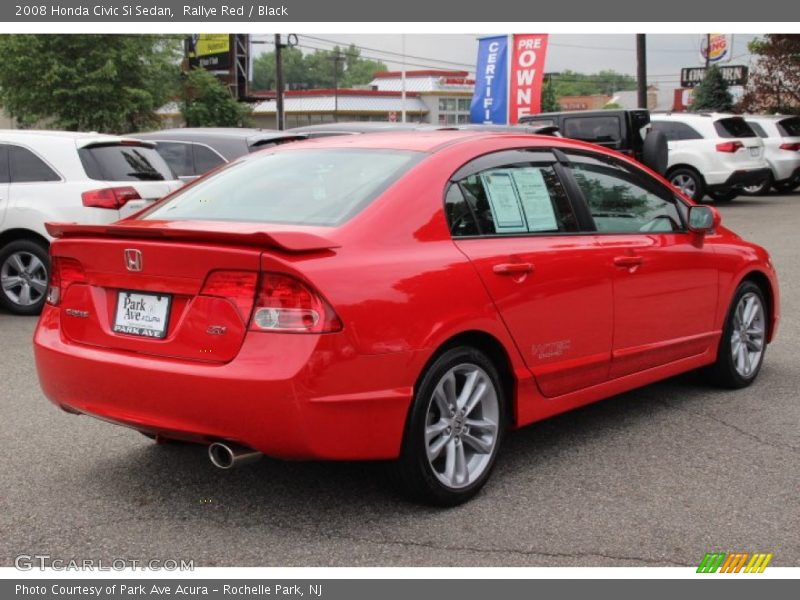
[(142, 314)]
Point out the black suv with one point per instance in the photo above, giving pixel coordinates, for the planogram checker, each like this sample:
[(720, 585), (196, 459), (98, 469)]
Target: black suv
[(617, 129)]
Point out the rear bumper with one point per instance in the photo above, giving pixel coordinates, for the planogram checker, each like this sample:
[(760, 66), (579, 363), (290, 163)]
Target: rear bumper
[(794, 176), (299, 397), (742, 178)]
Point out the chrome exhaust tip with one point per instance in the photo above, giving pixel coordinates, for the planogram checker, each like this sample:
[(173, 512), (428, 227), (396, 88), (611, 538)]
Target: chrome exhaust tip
[(224, 455)]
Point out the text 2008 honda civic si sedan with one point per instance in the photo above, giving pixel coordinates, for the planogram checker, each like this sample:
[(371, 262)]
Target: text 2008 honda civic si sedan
[(406, 296)]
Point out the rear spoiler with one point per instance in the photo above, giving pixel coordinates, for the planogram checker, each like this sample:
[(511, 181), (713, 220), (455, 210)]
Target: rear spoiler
[(286, 241)]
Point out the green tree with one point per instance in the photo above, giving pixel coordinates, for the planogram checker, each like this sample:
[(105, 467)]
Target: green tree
[(207, 102), (106, 83), (712, 93), (316, 69), (549, 100), (570, 83), (774, 83), (294, 72)]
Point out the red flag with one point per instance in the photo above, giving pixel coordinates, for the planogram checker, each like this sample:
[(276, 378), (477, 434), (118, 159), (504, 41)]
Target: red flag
[(527, 73)]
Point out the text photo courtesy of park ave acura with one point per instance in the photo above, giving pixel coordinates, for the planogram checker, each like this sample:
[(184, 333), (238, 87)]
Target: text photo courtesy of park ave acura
[(397, 300)]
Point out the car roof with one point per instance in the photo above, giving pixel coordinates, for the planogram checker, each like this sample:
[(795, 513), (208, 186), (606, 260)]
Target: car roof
[(356, 127), (422, 140)]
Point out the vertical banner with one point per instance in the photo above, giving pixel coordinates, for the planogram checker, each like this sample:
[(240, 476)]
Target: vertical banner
[(527, 73), (490, 101)]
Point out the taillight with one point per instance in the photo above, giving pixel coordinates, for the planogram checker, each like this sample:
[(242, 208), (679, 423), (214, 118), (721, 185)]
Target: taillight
[(63, 273), (237, 286), (729, 146), (286, 304), (114, 198), (793, 147)]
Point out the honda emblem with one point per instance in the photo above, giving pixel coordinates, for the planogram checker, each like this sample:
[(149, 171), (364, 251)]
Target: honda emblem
[(133, 259)]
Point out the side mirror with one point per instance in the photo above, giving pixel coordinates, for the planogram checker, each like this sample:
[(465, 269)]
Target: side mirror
[(703, 219)]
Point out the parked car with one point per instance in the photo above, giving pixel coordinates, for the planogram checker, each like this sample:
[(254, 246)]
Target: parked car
[(64, 176), (402, 296), (622, 130), (711, 153), (190, 152), (781, 135)]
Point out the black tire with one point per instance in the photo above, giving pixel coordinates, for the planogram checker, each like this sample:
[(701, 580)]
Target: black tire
[(688, 181), (413, 472), (33, 278), (761, 189), (786, 187), (723, 197), (724, 371)]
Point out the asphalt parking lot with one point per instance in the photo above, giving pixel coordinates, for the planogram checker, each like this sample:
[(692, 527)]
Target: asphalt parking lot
[(654, 477)]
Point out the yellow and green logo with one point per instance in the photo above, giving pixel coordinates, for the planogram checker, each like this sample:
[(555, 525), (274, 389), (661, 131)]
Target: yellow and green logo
[(734, 562)]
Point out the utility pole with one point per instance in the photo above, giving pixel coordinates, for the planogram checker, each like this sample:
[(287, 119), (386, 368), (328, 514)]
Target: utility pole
[(641, 70), (708, 50), (336, 58), (279, 114), (403, 82)]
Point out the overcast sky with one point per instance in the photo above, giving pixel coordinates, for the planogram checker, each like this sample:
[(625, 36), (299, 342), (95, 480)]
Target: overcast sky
[(586, 53)]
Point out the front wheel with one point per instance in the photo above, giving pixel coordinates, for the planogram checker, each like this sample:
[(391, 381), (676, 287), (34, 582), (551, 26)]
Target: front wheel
[(454, 429), (24, 276), (744, 339)]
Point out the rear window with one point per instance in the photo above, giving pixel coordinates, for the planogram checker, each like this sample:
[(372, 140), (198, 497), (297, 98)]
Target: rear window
[(122, 162), (593, 129), (298, 187), (790, 127), (734, 127)]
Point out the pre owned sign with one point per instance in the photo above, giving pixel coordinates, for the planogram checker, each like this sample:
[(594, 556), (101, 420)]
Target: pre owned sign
[(527, 72)]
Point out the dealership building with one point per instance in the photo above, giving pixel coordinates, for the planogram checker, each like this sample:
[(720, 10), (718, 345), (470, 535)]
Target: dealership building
[(432, 96)]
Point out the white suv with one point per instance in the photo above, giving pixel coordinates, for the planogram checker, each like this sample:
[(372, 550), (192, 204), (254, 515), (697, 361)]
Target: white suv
[(781, 135), (69, 177), (709, 153)]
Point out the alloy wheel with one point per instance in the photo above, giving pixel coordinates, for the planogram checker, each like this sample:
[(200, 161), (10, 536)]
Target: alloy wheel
[(461, 425), (747, 335), (685, 184), (23, 277)]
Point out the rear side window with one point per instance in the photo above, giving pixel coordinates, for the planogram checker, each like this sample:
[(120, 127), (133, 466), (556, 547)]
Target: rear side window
[(675, 131), (790, 127), (25, 167), (514, 199), (299, 187), (758, 129), (734, 127), (178, 155), (205, 159), (599, 130), (124, 162)]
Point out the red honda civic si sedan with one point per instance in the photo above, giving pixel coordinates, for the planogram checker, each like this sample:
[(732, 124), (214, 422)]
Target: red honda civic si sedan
[(406, 296)]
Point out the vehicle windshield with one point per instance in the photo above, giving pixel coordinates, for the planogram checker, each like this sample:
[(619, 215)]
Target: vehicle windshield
[(298, 187)]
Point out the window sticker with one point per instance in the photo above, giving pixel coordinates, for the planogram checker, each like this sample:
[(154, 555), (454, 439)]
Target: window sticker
[(504, 201), (535, 197)]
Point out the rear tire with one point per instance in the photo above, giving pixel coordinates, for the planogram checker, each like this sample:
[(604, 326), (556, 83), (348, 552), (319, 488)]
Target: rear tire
[(744, 339), (786, 187), (24, 275), (454, 429), (761, 189), (723, 197), (689, 182)]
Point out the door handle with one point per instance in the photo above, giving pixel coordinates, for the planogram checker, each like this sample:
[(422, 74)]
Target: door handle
[(512, 268), (627, 261)]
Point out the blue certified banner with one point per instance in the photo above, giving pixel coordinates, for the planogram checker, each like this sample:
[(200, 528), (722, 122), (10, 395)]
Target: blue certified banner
[(490, 100)]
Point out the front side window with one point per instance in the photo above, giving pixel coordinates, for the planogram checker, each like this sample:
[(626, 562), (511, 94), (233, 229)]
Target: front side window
[(619, 202), (25, 167), (178, 156), (298, 187), (520, 198)]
